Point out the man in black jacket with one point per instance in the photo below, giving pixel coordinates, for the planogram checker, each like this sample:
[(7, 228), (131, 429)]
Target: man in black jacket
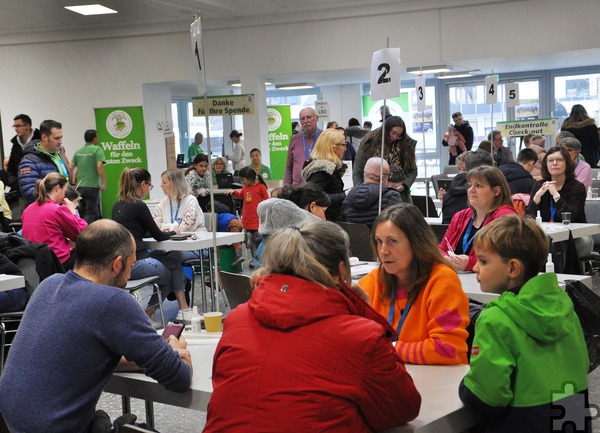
[(518, 174), (24, 134)]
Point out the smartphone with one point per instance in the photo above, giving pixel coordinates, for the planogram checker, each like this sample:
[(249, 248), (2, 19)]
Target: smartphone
[(173, 329)]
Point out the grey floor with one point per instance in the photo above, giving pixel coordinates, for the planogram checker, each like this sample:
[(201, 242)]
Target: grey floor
[(170, 419)]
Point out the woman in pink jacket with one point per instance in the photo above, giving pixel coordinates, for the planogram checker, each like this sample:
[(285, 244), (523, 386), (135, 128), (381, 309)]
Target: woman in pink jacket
[(306, 353), (52, 219), (489, 198)]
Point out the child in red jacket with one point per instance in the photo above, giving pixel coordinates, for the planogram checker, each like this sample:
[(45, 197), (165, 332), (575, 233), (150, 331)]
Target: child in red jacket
[(252, 193)]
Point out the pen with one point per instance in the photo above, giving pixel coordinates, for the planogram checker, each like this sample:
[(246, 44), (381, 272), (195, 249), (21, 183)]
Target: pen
[(450, 249)]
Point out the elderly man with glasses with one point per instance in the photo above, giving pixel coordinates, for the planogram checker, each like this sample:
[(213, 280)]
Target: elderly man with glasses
[(361, 205), (501, 154), (301, 145)]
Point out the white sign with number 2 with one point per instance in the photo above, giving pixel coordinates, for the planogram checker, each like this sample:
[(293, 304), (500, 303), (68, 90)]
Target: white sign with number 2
[(385, 74)]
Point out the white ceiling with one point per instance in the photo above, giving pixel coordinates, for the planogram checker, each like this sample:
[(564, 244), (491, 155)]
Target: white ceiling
[(19, 17)]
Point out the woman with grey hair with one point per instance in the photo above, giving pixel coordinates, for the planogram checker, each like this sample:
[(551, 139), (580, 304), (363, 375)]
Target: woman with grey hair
[(583, 171), (306, 350)]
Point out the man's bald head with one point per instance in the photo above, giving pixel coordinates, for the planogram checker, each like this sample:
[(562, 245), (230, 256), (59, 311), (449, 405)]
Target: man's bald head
[(372, 170)]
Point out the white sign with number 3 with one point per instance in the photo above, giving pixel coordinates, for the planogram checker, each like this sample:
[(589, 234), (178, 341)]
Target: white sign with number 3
[(512, 94), (385, 74), (420, 89), (491, 89)]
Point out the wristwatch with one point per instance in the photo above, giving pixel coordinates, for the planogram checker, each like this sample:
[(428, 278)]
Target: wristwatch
[(556, 197)]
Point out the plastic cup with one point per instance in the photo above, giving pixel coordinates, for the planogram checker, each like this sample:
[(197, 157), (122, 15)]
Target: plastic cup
[(186, 316), (566, 218), (213, 321)]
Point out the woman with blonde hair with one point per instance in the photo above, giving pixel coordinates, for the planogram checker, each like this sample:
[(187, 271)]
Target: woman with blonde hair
[(414, 288), (326, 169), (48, 222), (219, 166), (132, 213), (489, 198), (269, 361)]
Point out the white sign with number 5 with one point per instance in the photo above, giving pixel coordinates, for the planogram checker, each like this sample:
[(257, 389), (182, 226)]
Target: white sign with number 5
[(420, 89), (385, 74), (491, 89), (512, 94)]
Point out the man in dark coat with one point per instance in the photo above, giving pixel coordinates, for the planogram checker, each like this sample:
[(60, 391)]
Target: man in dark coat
[(518, 174), (24, 134), (361, 205)]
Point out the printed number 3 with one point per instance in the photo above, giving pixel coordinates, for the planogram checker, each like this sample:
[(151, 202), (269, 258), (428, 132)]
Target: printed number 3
[(383, 78), (420, 92)]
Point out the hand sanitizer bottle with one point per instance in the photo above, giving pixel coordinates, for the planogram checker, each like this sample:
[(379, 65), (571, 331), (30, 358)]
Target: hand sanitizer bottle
[(538, 219), (196, 321), (549, 264)]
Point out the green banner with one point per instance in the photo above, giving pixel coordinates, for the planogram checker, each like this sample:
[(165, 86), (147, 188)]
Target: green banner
[(280, 134), (122, 136), (397, 106)]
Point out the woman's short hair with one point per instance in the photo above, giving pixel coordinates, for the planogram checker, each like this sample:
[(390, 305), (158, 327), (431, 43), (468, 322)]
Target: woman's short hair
[(130, 181), (217, 160), (570, 170), (47, 184), (409, 220), (324, 146), (515, 237), (494, 178), (303, 195), (177, 178), (313, 252)]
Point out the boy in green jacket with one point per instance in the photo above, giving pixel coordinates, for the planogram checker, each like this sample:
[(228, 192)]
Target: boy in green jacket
[(529, 360)]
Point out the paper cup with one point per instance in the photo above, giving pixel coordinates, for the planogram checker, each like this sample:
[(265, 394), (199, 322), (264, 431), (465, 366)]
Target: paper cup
[(213, 321)]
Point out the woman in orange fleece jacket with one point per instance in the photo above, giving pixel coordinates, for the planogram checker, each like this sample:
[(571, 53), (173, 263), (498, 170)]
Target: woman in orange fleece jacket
[(419, 294)]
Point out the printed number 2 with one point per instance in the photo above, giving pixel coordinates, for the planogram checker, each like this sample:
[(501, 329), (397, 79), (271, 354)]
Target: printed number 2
[(491, 91), (420, 92), (383, 78)]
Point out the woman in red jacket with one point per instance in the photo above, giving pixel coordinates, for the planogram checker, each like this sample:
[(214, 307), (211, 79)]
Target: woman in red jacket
[(306, 354), (489, 198)]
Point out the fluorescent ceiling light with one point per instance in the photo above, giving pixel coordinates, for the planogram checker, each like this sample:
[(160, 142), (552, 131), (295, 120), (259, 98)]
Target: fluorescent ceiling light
[(94, 9), (429, 69), (269, 81), (234, 83), (295, 86), (448, 75)]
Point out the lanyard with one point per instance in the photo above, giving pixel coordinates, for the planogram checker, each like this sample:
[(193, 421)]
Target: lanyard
[(176, 211), (552, 210), (391, 314), (308, 151), (468, 241)]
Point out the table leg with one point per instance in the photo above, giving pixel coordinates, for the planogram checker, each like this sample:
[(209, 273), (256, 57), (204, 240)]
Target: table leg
[(150, 413), (126, 403)]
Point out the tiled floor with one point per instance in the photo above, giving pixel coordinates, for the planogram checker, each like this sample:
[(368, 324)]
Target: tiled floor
[(171, 419)]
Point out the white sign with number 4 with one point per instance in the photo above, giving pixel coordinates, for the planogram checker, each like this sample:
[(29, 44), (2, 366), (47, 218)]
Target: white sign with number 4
[(512, 94), (385, 74), (491, 89)]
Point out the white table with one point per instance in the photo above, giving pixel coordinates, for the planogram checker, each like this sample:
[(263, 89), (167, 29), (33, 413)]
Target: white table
[(441, 409), (10, 282), (471, 287), (203, 240)]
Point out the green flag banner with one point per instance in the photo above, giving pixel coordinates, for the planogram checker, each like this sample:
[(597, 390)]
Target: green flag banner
[(121, 135), (280, 134)]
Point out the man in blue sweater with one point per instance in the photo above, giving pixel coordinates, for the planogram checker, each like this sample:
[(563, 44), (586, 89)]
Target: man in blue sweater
[(77, 329)]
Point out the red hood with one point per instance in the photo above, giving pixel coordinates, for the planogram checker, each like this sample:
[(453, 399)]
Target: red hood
[(285, 302)]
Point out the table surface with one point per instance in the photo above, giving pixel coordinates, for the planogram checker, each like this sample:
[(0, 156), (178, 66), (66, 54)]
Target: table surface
[(441, 408), (10, 282), (203, 240)]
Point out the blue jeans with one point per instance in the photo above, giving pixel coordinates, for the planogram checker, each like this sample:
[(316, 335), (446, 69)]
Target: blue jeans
[(150, 267), (13, 300), (173, 263)]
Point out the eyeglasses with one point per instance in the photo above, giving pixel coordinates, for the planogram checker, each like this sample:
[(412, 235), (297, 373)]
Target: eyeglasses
[(395, 134), (557, 160), (341, 144), (18, 126), (150, 186)]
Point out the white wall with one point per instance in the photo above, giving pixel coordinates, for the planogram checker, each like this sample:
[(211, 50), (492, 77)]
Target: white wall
[(65, 80)]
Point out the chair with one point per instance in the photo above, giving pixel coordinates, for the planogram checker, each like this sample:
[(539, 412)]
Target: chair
[(360, 240), (439, 230), (9, 322), (451, 169), (128, 428), (445, 182), (237, 288), (420, 202), (133, 286)]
